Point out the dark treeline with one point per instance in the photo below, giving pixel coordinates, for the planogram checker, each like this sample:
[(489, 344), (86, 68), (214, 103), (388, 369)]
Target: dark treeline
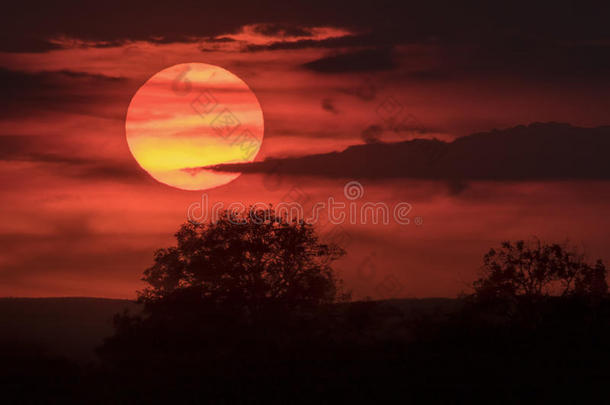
[(253, 313)]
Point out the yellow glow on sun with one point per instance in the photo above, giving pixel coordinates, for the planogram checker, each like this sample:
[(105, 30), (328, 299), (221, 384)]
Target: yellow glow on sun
[(190, 116)]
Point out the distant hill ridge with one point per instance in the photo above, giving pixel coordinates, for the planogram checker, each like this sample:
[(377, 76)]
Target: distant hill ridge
[(65, 326), (74, 326)]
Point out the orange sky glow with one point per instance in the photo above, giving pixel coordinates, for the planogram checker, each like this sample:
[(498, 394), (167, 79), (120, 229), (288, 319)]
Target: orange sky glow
[(105, 148)]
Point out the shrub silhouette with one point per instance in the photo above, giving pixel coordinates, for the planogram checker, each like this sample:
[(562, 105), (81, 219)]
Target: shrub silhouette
[(534, 269)]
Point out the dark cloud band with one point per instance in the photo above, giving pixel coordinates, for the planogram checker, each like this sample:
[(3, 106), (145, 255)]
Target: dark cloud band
[(548, 151)]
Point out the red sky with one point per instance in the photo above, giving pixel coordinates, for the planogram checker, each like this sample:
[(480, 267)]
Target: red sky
[(81, 218)]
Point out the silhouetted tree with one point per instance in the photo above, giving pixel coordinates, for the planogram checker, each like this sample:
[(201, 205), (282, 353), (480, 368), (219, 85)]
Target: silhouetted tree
[(250, 259), (236, 292), (534, 269)]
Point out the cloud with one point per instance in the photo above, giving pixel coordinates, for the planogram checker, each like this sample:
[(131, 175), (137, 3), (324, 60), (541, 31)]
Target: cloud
[(78, 92), (408, 127), (328, 105), (372, 134), (220, 39), (513, 55), (35, 149), (516, 38), (17, 80), (366, 90), (540, 151), (67, 254), (367, 60), (139, 20), (335, 42), (27, 43), (282, 30)]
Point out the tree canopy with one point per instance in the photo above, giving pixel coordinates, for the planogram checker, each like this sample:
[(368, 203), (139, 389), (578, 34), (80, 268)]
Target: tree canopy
[(534, 269), (248, 260)]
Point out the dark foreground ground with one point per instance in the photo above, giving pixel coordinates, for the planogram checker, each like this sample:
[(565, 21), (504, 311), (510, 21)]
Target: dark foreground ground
[(401, 351)]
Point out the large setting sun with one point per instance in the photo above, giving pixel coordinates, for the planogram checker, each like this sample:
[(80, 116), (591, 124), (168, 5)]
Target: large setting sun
[(190, 116)]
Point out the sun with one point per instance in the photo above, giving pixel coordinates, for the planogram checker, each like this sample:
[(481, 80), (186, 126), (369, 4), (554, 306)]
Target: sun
[(190, 116)]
